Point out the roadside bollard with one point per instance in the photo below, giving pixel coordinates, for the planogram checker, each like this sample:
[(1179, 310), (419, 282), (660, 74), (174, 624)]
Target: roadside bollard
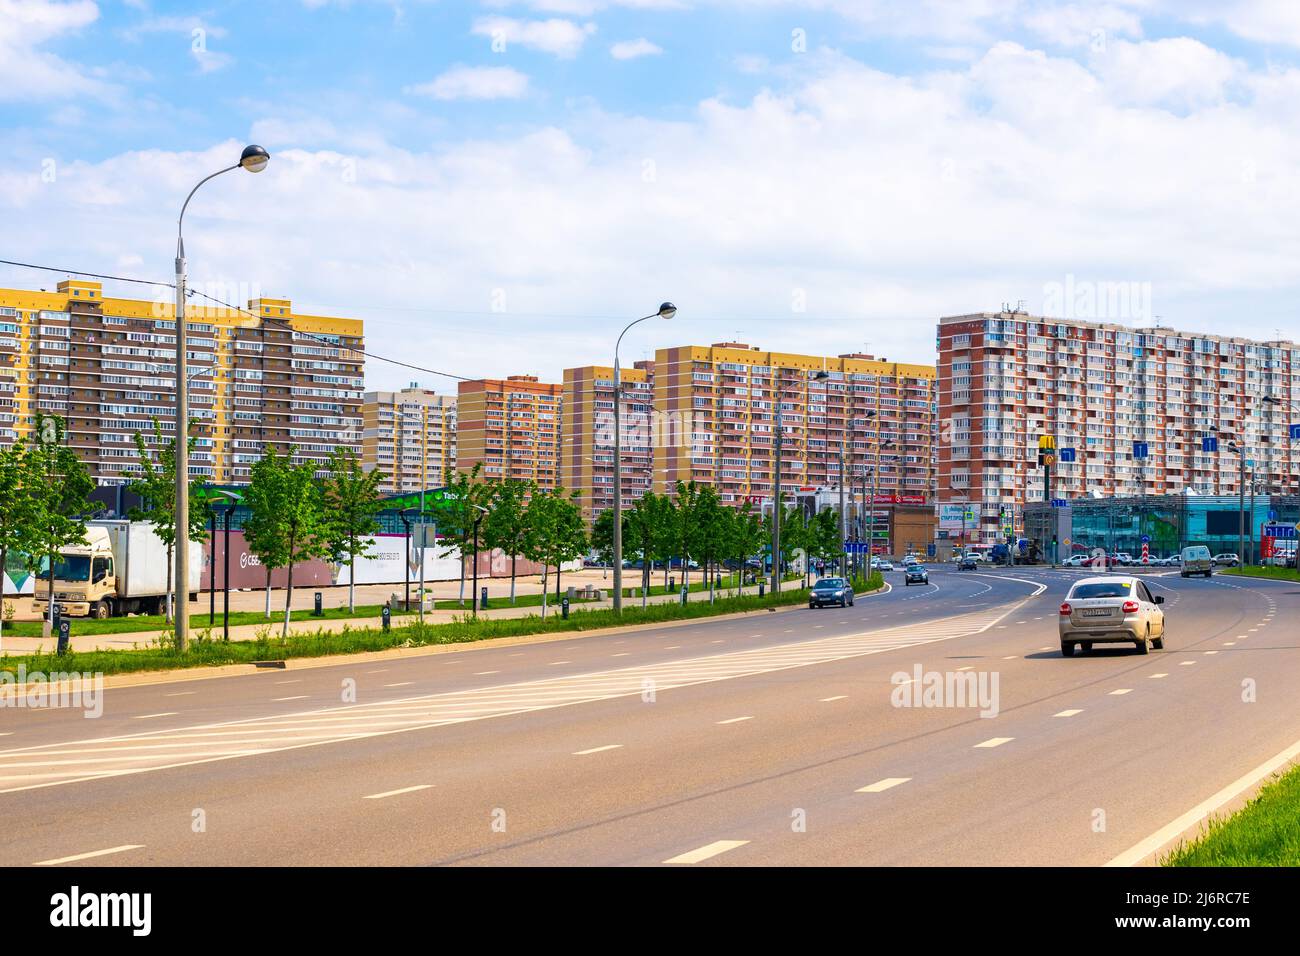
[(386, 613), (65, 626), (760, 588), (320, 605), (482, 602), (564, 608), (683, 593), (672, 583)]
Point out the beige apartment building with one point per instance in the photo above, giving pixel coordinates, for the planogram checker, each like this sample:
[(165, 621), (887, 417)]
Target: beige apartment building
[(265, 377), (511, 427), (410, 437), (715, 409), (587, 434), (1129, 409)]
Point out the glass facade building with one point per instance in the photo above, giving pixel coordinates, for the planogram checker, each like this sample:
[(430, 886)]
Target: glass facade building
[(1169, 522)]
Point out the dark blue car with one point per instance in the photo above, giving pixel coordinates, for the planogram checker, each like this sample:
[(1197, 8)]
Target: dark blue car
[(831, 591)]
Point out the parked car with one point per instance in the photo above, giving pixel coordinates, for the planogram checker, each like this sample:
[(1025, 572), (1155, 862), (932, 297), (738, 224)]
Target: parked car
[(1113, 609), (1196, 559), (915, 573), (1075, 561), (830, 591), (1226, 560)]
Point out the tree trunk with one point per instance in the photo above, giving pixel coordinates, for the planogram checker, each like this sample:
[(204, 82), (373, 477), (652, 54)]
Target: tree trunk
[(268, 592), (513, 559), (288, 587), (463, 543), (50, 601), (545, 590), (352, 578)]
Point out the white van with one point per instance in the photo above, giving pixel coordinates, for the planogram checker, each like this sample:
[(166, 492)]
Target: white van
[(1197, 560)]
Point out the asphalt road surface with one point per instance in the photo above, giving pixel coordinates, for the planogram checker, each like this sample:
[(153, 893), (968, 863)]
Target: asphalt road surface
[(767, 739)]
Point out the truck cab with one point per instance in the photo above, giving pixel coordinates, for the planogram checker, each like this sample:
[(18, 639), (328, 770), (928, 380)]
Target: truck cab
[(85, 583)]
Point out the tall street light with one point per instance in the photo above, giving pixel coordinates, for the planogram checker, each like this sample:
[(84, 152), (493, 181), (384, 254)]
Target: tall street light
[(1238, 448), (666, 311), (253, 159), (776, 482), (1285, 403)]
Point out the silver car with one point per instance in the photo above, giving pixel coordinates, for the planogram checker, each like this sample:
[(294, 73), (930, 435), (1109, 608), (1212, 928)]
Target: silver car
[(1116, 609)]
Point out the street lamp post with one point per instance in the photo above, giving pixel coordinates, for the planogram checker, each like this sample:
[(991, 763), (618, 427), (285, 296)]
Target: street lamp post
[(253, 159), (666, 311), (1239, 449), (776, 484), (1286, 403)]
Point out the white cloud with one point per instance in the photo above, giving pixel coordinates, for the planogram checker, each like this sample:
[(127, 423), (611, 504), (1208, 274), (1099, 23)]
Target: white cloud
[(30, 73), (1179, 73), (561, 38), (475, 83), (632, 49)]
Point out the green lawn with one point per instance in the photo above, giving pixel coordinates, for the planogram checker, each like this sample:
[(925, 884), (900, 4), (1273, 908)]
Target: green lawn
[(205, 653), (155, 622), (1278, 574), (1265, 832)]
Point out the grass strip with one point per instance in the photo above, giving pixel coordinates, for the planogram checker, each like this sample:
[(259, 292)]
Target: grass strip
[(1265, 832)]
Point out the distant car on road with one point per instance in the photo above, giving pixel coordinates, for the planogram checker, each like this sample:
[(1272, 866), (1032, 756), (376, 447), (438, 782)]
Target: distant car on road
[(830, 591), (1075, 561), (968, 563), (1226, 560), (885, 566), (916, 574), (1115, 610), (1196, 559)]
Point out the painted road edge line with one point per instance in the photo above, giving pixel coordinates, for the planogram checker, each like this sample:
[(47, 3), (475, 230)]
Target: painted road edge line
[(394, 793), (707, 852), (93, 853), (1140, 851)]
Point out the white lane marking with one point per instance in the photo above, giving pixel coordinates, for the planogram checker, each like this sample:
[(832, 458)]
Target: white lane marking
[(827, 700), (1156, 676), (76, 761), (183, 693), (621, 654), (1211, 652), (485, 673), (968, 667), (382, 670), (93, 853), (277, 700), (395, 793), (297, 681), (735, 720), (707, 852), (1229, 643), (723, 642), (558, 663), (882, 785), (1011, 657), (596, 750), (996, 742), (1186, 663), (1069, 713), (1144, 848), (168, 713), (672, 647), (1119, 692), (404, 683)]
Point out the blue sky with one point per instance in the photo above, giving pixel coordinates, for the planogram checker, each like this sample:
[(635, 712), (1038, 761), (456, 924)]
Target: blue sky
[(492, 186)]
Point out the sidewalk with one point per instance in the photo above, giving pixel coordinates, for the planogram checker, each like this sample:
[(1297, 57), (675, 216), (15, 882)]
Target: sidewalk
[(499, 608)]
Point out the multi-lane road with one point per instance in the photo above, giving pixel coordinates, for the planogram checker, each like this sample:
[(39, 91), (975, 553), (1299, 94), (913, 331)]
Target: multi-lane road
[(763, 739)]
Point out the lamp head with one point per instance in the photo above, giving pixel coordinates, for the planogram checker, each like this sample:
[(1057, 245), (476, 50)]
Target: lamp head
[(254, 158), (667, 310)]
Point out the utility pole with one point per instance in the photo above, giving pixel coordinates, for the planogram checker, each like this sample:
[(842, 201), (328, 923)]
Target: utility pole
[(844, 536)]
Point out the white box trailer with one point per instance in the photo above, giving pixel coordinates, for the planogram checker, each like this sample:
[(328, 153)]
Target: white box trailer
[(121, 569)]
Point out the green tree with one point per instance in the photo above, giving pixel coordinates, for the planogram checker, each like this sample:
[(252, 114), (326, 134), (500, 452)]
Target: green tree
[(156, 487), (264, 529), (467, 493), (643, 529), (350, 496), (667, 536), (59, 487), (602, 536), (15, 511), (749, 535), (685, 527), (555, 532), (506, 526), (304, 520), (823, 541)]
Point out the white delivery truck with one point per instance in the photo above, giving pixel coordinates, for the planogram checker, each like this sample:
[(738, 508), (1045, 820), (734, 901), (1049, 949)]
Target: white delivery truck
[(121, 569)]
